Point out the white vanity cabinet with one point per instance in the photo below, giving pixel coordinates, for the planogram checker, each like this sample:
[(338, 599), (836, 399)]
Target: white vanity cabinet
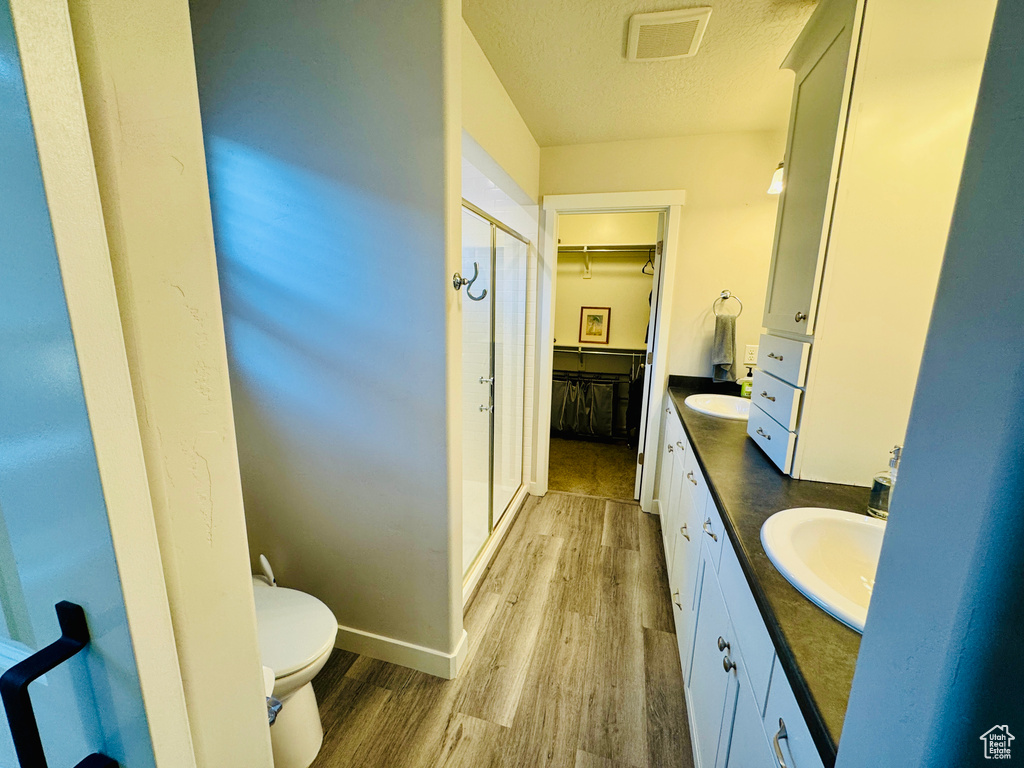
[(736, 691), (823, 66), (862, 225)]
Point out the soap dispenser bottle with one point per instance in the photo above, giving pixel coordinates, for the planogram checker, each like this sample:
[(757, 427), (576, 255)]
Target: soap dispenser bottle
[(882, 485), (746, 384)]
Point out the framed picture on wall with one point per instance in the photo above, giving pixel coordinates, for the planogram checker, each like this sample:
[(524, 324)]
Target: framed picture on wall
[(594, 323)]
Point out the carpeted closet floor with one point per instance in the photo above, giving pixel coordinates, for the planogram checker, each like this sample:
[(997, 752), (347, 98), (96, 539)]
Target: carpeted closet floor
[(593, 469)]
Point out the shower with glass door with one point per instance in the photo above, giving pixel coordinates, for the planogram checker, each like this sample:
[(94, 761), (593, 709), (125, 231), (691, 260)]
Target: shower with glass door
[(494, 261)]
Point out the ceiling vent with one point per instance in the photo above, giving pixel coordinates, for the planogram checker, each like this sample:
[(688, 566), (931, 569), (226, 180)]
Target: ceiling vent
[(666, 35)]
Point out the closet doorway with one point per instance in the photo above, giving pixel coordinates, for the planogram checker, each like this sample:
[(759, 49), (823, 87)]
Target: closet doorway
[(602, 329), (606, 275), (494, 260)]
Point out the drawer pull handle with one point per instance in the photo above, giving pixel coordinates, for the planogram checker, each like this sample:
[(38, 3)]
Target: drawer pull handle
[(763, 434), (708, 531), (671, 449), (779, 735), (766, 396), (773, 356), (800, 316), (675, 599), (685, 534), (668, 410), (722, 645), (689, 476), (728, 664)]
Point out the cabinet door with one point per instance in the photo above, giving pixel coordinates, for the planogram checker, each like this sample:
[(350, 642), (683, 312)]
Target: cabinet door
[(801, 228), (712, 687), (670, 509), (785, 726), (669, 436), (748, 745), (685, 559)]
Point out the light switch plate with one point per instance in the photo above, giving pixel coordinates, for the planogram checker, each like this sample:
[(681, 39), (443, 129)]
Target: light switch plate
[(750, 356)]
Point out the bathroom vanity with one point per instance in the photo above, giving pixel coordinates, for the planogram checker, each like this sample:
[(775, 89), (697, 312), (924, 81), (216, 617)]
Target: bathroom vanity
[(767, 674)]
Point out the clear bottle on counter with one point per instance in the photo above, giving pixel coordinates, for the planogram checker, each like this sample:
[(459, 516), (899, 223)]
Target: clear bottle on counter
[(882, 485)]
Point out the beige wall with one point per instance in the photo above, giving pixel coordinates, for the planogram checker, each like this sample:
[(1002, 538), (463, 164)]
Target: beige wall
[(608, 228), (490, 117), (148, 148), (725, 239), (615, 281)]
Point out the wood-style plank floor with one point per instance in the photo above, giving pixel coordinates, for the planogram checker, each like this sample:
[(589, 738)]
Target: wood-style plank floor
[(572, 660)]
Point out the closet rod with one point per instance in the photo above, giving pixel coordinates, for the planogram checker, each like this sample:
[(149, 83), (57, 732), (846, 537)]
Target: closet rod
[(606, 248), (587, 351)]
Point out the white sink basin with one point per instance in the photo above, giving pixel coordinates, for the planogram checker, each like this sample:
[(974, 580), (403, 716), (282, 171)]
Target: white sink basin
[(722, 406), (829, 555)]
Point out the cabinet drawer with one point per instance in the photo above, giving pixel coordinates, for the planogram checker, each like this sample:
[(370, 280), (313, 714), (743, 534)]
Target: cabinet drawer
[(711, 529), (673, 430), (755, 645), (772, 438), (694, 482), (778, 399), (797, 746), (783, 358)]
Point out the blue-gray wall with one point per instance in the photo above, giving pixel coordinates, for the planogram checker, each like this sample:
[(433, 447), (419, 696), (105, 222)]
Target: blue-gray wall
[(324, 136), (941, 661)]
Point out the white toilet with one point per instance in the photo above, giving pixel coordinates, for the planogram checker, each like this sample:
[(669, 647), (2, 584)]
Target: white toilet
[(296, 635)]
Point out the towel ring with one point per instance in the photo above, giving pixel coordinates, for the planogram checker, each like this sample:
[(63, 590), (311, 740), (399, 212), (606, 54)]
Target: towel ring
[(725, 296)]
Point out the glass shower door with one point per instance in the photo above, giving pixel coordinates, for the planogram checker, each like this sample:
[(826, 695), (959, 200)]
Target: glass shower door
[(510, 256), (476, 386)]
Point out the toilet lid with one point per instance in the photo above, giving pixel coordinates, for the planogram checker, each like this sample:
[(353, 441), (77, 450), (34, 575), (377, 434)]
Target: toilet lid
[(295, 629)]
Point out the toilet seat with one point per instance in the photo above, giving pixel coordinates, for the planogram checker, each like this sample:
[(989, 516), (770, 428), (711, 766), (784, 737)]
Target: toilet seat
[(295, 629)]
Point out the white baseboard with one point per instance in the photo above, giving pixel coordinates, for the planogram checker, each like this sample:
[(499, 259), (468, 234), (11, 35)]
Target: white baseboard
[(404, 654)]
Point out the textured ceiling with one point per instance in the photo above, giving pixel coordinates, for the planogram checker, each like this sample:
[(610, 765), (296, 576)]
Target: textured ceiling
[(563, 63)]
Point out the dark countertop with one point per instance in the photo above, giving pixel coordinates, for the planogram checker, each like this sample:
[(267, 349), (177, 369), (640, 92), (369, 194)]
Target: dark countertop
[(817, 652)]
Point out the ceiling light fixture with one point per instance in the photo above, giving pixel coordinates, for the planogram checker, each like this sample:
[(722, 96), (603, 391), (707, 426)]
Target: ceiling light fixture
[(775, 187)]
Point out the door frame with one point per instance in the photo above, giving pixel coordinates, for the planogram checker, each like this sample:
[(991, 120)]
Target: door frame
[(57, 108), (669, 202)]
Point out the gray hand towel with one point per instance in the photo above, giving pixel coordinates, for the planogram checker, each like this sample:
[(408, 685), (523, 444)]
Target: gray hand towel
[(723, 348)]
